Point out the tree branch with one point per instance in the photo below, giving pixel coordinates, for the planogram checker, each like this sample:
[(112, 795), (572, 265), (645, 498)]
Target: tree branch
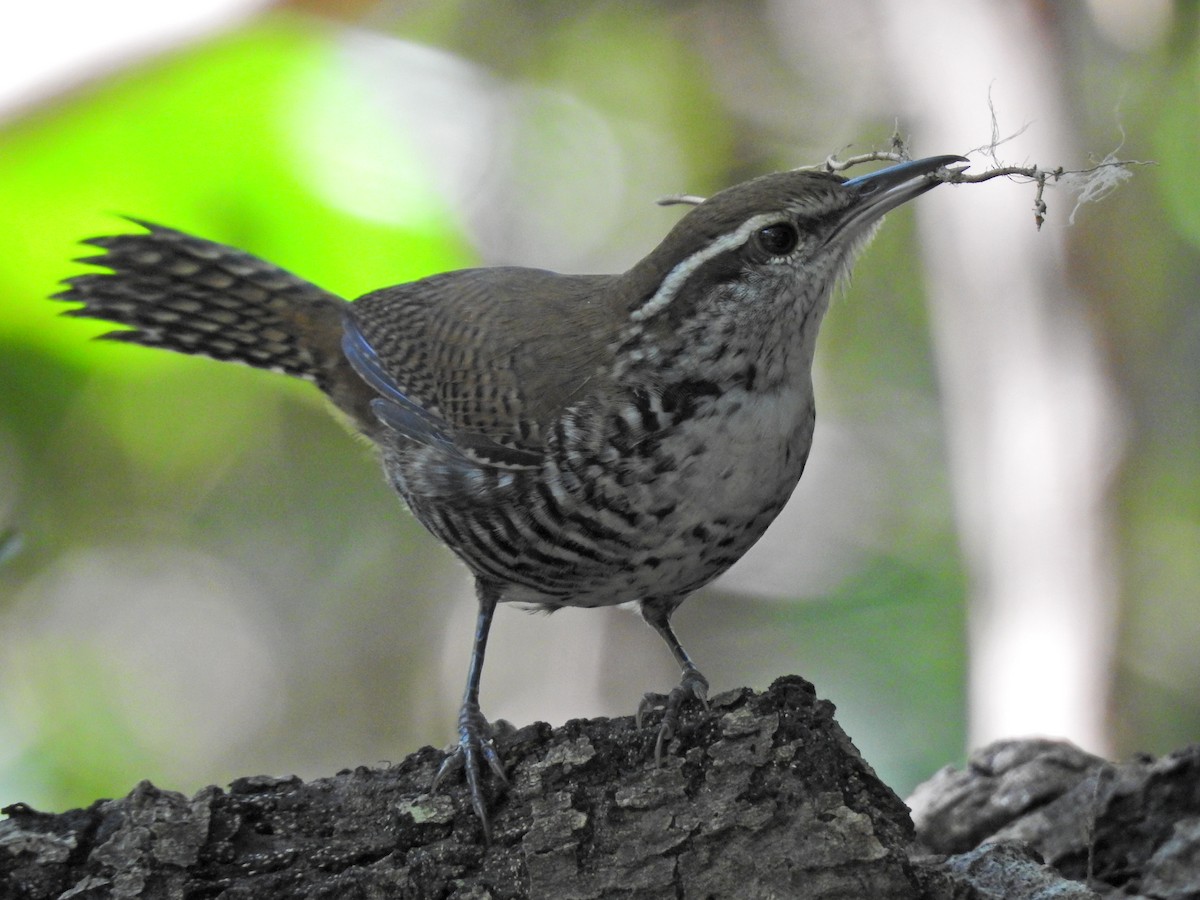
[(763, 796)]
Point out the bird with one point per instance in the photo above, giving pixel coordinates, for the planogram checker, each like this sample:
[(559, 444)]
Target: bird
[(576, 440)]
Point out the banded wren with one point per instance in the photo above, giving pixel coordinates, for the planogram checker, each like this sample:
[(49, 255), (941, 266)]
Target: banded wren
[(577, 440)]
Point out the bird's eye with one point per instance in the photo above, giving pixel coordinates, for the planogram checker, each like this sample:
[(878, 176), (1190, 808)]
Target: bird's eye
[(779, 239)]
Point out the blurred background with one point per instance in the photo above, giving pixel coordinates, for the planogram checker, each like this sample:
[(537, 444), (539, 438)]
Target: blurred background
[(204, 575)]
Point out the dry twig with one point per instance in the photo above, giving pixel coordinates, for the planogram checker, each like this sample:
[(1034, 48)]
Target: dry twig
[(1090, 184)]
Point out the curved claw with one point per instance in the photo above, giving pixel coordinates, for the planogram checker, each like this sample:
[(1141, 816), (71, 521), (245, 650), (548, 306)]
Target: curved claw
[(693, 686), (474, 747)]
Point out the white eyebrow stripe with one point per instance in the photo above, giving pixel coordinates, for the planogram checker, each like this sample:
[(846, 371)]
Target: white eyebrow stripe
[(683, 270)]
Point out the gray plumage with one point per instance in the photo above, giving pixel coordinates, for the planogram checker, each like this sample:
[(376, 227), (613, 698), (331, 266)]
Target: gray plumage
[(578, 440)]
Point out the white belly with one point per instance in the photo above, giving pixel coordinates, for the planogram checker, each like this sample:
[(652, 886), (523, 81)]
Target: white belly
[(735, 470)]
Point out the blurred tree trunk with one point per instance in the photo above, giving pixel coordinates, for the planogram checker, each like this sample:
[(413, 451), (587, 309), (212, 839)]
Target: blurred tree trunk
[(1029, 405)]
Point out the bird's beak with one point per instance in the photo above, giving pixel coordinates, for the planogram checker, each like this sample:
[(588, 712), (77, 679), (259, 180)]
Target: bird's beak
[(882, 191)]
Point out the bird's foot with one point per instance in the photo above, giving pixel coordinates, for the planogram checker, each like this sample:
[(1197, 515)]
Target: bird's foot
[(475, 747), (693, 686)]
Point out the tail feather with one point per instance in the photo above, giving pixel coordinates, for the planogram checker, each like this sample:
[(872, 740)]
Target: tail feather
[(194, 296)]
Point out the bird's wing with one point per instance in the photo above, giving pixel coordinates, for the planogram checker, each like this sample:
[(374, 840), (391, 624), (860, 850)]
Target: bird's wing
[(483, 360), (397, 411)]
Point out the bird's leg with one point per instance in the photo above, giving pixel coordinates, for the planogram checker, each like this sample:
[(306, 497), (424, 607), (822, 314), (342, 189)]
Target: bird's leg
[(693, 685), (474, 732)]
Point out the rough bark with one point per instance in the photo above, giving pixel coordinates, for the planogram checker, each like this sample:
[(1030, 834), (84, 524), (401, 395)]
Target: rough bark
[(1127, 829), (763, 796)]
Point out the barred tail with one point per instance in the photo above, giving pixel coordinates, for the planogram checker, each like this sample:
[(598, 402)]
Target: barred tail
[(195, 296)]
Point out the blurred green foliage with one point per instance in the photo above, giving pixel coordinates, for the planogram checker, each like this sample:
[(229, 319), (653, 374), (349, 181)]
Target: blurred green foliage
[(104, 443)]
